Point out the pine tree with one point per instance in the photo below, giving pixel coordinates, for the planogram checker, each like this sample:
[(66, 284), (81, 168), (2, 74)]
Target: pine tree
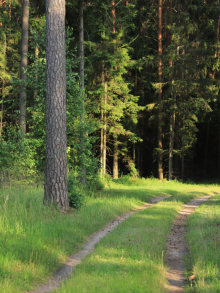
[(56, 190)]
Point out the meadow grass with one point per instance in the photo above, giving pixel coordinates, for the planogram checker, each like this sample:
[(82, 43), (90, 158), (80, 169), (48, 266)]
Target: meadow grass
[(203, 237), (34, 239), (131, 258)]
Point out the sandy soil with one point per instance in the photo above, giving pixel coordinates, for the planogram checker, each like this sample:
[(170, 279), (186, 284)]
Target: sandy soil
[(177, 247)]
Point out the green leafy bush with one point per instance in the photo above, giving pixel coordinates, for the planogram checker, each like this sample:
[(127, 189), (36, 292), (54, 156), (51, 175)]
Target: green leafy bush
[(94, 183), (76, 199)]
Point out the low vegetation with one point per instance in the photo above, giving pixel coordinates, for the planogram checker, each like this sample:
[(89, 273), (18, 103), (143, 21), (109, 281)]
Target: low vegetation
[(204, 241), (35, 239)]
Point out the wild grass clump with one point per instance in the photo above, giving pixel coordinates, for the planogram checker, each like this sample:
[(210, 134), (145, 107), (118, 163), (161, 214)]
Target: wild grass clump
[(203, 236), (35, 239)]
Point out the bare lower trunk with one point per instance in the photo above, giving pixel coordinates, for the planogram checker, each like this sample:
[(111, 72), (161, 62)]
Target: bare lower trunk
[(55, 189), (23, 65), (206, 149), (104, 123), (115, 159), (81, 74), (2, 109), (160, 131), (171, 146), (101, 146), (134, 152), (219, 151), (183, 154)]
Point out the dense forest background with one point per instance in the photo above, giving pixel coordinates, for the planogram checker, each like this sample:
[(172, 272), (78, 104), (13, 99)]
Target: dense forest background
[(150, 105)]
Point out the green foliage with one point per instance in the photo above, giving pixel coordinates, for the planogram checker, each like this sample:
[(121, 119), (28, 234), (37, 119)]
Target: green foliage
[(17, 155), (95, 183), (76, 199), (36, 87)]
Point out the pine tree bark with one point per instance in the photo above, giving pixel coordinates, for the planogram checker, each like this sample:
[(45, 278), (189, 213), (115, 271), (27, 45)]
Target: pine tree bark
[(104, 131), (81, 74), (160, 131), (56, 190), (104, 121), (134, 153), (219, 151), (115, 159), (23, 65), (2, 109)]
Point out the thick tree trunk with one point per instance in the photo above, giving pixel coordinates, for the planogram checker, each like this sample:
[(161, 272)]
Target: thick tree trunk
[(115, 159), (23, 65), (81, 74), (56, 190), (160, 131)]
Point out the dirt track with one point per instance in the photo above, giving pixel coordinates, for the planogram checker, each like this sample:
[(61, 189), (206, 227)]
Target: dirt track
[(68, 266), (177, 247)]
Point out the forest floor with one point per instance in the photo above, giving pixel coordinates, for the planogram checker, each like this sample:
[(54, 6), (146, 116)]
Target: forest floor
[(35, 241)]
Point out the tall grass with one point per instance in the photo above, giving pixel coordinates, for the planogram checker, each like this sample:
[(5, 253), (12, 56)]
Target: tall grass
[(35, 239), (204, 241)]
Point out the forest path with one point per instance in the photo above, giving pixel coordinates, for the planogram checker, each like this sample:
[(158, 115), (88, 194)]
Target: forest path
[(68, 266), (177, 247)]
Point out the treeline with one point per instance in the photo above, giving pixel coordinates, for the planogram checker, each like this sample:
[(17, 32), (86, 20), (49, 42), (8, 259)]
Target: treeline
[(142, 88)]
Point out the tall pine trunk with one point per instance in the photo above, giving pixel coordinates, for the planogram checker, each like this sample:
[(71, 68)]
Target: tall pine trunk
[(81, 74), (160, 130), (104, 121), (2, 109), (115, 159), (56, 190), (23, 65)]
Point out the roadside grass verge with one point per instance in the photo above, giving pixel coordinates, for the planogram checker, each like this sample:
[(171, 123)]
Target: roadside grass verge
[(131, 258), (34, 239), (203, 237)]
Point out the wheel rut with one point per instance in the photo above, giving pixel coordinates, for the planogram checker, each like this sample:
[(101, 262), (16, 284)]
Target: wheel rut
[(68, 266), (177, 246)]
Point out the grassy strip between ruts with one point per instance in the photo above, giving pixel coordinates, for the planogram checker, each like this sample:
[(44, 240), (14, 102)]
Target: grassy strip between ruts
[(131, 258), (203, 237), (34, 239)]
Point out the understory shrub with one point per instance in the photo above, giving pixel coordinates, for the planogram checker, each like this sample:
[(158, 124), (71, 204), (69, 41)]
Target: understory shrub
[(76, 198)]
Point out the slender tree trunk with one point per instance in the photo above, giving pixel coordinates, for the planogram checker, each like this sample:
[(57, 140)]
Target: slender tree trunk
[(134, 152), (219, 151), (171, 146), (3, 85), (104, 121), (81, 74), (218, 27), (160, 133), (56, 190), (115, 159), (2, 109), (183, 154), (101, 146), (104, 130), (113, 26), (23, 65), (206, 149)]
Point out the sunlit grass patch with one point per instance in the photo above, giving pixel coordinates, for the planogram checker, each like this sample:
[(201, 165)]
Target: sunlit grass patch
[(204, 241), (34, 239), (131, 258)]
